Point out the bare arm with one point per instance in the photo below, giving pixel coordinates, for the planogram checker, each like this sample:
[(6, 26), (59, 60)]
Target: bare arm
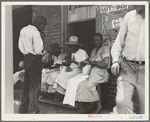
[(104, 63)]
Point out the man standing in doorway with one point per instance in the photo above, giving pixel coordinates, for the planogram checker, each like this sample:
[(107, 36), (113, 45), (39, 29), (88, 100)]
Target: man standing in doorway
[(130, 43), (31, 45)]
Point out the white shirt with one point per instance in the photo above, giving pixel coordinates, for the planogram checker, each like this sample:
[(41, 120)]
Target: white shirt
[(80, 55), (30, 41), (102, 53), (130, 41)]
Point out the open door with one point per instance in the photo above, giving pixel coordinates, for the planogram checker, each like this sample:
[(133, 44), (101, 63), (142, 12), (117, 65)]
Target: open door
[(85, 31), (21, 18)]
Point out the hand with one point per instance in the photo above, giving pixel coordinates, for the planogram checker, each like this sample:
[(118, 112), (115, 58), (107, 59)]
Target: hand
[(21, 76), (82, 64), (115, 68), (55, 66), (101, 64)]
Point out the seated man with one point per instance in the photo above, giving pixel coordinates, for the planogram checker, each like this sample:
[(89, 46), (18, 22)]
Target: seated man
[(86, 93), (50, 74), (78, 55)]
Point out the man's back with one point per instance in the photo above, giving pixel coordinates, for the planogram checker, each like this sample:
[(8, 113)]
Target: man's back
[(30, 41)]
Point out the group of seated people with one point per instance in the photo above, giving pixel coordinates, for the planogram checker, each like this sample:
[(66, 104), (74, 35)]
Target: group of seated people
[(76, 79)]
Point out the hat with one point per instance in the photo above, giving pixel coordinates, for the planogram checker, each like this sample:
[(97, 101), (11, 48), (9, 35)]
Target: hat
[(73, 40), (55, 47), (39, 20)]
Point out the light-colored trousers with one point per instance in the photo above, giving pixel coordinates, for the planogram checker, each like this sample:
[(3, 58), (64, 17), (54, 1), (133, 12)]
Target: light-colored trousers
[(131, 76)]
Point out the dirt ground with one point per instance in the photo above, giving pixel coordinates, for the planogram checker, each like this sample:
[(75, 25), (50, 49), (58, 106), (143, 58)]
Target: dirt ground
[(53, 109), (46, 108), (50, 109)]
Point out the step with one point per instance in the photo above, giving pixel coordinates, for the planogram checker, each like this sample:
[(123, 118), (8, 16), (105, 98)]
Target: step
[(56, 103)]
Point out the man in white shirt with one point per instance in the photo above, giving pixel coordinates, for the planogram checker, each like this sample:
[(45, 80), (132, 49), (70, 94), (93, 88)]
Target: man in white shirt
[(130, 43), (31, 45)]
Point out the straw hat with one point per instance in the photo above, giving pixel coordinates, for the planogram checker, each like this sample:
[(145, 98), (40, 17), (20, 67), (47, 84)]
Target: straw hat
[(73, 40)]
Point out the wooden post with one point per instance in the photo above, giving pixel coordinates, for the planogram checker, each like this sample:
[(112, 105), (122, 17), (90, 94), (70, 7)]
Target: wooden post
[(8, 81), (62, 27)]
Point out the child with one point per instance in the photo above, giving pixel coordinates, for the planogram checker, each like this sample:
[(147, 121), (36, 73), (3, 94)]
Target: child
[(20, 74)]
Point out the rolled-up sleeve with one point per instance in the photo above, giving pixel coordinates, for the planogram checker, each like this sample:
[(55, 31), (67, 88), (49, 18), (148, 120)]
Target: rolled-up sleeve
[(38, 43), (120, 40)]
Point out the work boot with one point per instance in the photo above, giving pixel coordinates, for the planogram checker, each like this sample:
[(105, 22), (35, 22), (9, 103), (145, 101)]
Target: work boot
[(50, 97), (45, 96), (58, 98)]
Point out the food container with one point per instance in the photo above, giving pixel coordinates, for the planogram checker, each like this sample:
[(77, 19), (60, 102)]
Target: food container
[(86, 70)]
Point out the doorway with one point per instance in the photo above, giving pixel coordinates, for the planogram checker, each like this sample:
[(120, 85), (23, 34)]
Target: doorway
[(85, 31), (21, 18)]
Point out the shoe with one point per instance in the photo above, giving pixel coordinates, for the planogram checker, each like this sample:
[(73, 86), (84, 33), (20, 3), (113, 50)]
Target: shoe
[(58, 98), (23, 112), (80, 111), (33, 112), (50, 97), (44, 97), (98, 109)]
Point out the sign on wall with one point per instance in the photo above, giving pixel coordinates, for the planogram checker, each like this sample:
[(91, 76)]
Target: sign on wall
[(111, 8), (81, 12), (116, 23)]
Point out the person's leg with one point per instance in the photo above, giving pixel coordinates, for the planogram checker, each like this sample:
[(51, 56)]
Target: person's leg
[(124, 104), (25, 86), (35, 85), (125, 89), (25, 95), (99, 107), (46, 91), (141, 88), (82, 107)]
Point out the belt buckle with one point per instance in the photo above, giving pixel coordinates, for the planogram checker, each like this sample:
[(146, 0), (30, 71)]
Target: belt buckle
[(140, 62)]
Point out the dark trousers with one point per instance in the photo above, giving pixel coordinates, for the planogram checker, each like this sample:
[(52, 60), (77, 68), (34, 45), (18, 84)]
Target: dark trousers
[(32, 84)]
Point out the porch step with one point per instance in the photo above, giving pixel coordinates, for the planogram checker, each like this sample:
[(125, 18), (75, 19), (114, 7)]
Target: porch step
[(56, 103)]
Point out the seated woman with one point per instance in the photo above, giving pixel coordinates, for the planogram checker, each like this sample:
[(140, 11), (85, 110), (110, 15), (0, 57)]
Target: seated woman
[(78, 55), (51, 73), (87, 94)]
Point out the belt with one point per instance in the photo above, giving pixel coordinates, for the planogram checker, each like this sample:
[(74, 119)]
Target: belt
[(137, 62), (32, 55)]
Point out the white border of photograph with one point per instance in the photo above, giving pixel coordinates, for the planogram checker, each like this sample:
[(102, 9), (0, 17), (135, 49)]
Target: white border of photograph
[(7, 65)]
